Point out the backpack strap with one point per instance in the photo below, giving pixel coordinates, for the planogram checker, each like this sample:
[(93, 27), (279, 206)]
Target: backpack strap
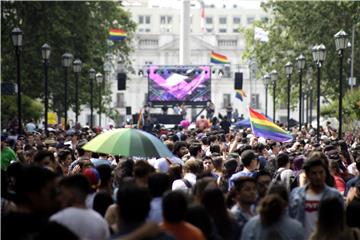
[(187, 183), (168, 161)]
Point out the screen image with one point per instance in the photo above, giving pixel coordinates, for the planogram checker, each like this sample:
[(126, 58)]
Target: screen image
[(185, 84)]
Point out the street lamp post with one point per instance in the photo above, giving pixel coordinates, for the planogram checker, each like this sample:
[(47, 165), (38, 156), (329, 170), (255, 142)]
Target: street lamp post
[(45, 52), (99, 79), (300, 61), (17, 37), (266, 83), (274, 78), (66, 63), (288, 71), (319, 55), (77, 71), (92, 75), (341, 43)]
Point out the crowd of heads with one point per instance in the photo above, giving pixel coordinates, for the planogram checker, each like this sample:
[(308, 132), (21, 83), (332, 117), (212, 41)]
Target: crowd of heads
[(219, 184)]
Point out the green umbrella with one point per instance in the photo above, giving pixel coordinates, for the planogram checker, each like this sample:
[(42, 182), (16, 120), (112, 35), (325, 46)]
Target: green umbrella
[(128, 142)]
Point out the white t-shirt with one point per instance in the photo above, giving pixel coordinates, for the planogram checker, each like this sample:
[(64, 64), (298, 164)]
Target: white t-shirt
[(85, 223), (312, 202)]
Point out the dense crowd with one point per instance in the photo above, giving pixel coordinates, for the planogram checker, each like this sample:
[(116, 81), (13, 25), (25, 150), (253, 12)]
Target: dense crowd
[(220, 183)]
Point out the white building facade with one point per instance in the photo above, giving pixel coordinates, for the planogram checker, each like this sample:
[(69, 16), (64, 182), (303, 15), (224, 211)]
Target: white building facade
[(156, 41)]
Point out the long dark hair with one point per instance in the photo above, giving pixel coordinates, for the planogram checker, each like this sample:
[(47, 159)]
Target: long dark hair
[(214, 201), (328, 226), (271, 209)]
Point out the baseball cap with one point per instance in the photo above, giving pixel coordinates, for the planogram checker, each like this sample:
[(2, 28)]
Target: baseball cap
[(93, 177)]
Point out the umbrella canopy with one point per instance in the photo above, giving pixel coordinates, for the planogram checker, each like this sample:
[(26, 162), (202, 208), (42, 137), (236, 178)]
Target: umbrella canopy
[(128, 142), (245, 123)]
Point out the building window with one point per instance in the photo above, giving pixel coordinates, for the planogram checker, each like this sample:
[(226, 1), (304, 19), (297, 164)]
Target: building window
[(148, 42), (209, 30), (236, 20), (148, 63), (147, 30), (222, 20), (236, 30), (144, 19), (255, 101), (227, 43), (250, 20), (165, 19), (222, 30), (209, 20), (226, 100), (120, 100)]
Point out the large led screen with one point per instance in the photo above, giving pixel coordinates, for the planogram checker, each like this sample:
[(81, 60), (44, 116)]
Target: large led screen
[(179, 84)]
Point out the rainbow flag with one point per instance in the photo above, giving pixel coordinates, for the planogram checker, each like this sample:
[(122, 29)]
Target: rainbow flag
[(218, 58), (116, 34), (240, 94), (263, 127)]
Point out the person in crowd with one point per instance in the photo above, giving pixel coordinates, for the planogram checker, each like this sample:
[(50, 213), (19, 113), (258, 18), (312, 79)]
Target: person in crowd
[(245, 197), (214, 202), (225, 124), (174, 207), (93, 177), (84, 222), (284, 175), (210, 109), (230, 167), (133, 208), (191, 169), (329, 227), (250, 161), (335, 172), (64, 159), (202, 123), (7, 153), (263, 180), (198, 216), (35, 202), (304, 201), (356, 179), (273, 221), (46, 159), (103, 198), (208, 166), (158, 184), (180, 149), (142, 171)]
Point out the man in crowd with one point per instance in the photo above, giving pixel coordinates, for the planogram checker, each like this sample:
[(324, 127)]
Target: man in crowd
[(304, 201)]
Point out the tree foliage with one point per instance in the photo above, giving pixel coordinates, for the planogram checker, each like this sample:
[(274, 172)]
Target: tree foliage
[(77, 27), (351, 108), (31, 109), (295, 27)]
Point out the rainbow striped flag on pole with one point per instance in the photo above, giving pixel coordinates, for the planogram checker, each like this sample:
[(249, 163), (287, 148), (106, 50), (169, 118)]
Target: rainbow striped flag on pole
[(263, 127), (116, 34), (218, 58), (240, 94)]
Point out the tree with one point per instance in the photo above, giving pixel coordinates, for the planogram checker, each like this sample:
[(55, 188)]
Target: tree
[(80, 28), (32, 109), (294, 28), (351, 108)]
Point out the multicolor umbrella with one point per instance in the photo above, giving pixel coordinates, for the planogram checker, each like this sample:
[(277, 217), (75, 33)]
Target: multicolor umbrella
[(128, 142)]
